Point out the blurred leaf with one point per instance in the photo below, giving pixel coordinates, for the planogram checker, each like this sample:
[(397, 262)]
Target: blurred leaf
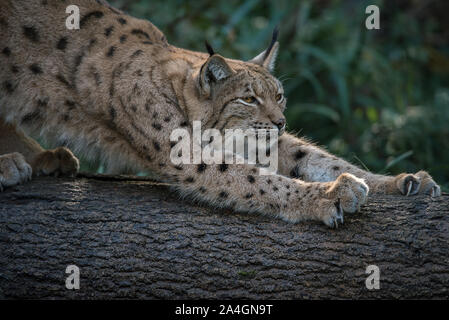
[(318, 109), (398, 159)]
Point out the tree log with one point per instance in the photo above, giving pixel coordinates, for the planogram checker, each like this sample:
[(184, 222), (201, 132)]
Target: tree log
[(134, 238)]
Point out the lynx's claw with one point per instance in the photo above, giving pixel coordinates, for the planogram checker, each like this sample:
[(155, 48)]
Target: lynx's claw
[(338, 217), (408, 184), (428, 186), (410, 187), (419, 183), (435, 191), (349, 193)]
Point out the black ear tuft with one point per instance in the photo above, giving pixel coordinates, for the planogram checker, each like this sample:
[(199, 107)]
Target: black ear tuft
[(209, 48), (274, 38)]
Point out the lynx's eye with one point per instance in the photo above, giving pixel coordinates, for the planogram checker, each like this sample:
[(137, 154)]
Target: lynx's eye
[(250, 100), (279, 97)]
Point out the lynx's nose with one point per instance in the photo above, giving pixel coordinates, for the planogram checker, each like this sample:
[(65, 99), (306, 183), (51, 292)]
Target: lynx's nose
[(280, 124)]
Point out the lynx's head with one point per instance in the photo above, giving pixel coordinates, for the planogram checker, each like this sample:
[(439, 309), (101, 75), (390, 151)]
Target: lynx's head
[(243, 95)]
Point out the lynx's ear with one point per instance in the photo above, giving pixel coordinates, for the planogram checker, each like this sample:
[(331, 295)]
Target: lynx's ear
[(268, 57), (214, 70)]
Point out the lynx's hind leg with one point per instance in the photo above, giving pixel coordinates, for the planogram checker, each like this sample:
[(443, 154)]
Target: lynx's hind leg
[(13, 170), (59, 161)]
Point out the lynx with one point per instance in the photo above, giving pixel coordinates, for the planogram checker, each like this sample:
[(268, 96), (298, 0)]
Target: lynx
[(114, 90)]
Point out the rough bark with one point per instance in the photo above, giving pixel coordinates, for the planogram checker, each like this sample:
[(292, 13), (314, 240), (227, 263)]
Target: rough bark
[(133, 238)]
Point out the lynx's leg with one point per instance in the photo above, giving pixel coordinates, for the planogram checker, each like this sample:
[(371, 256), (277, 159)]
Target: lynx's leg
[(303, 160), (240, 187), (21, 156)]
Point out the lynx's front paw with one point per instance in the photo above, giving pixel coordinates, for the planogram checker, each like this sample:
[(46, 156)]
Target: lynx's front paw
[(13, 170), (418, 183), (347, 194), (55, 162)]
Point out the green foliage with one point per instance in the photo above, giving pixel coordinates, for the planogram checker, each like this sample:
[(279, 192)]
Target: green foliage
[(379, 98)]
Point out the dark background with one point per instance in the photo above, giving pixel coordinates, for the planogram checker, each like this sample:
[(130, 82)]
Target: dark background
[(379, 98)]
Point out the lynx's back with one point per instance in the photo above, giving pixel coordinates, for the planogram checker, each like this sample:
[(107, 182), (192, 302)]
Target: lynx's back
[(41, 60)]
